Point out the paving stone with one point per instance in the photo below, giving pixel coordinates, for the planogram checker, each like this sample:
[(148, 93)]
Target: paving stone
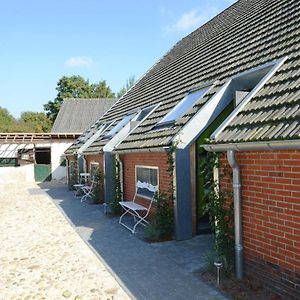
[(148, 270)]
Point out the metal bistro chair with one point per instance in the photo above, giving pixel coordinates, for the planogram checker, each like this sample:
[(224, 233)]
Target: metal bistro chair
[(88, 190), (83, 178), (139, 212)]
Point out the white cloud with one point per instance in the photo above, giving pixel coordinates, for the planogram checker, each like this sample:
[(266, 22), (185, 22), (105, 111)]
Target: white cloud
[(79, 61), (196, 17), (188, 21)]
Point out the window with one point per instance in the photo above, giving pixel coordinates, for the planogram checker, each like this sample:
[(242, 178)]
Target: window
[(119, 126), (147, 176), (183, 106), (144, 112), (94, 169)]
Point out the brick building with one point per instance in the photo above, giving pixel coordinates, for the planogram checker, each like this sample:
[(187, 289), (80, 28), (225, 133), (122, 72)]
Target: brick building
[(234, 82)]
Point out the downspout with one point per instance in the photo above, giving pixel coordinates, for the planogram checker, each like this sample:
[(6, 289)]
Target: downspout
[(239, 270)]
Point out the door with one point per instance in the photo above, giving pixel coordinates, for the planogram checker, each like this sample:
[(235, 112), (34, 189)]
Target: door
[(42, 167)]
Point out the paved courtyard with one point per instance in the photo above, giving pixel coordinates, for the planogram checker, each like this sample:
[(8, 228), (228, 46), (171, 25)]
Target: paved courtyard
[(43, 257)]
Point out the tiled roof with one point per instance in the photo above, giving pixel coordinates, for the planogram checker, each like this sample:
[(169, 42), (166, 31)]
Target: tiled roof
[(77, 115), (248, 34)]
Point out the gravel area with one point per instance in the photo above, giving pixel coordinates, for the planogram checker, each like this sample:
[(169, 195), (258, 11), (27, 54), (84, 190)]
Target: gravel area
[(41, 255)]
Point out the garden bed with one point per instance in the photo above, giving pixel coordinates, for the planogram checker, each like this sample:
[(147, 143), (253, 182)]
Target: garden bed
[(247, 289)]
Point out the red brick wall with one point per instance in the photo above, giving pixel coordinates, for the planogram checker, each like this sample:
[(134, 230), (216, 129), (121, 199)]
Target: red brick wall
[(94, 158), (155, 159), (271, 216)]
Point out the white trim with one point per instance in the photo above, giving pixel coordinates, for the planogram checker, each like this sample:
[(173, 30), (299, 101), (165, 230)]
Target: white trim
[(277, 64), (93, 138), (213, 107), (136, 181), (202, 119), (127, 130), (207, 87)]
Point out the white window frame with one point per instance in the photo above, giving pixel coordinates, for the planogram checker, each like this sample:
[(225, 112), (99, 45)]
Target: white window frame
[(146, 167), (121, 124), (166, 121), (95, 163)]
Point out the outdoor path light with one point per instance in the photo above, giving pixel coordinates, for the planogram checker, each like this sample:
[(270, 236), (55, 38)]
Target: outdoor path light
[(218, 265)]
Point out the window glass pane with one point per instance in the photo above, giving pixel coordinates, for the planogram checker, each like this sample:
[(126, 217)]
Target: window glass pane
[(149, 178), (119, 126), (184, 105)]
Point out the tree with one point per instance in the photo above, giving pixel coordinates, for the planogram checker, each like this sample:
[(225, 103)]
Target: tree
[(101, 90), (76, 87), (38, 121), (6, 120), (129, 83)]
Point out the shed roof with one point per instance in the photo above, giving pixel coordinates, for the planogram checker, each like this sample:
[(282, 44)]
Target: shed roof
[(248, 34), (77, 115)]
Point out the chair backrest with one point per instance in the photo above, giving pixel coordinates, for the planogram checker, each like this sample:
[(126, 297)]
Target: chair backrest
[(143, 185)]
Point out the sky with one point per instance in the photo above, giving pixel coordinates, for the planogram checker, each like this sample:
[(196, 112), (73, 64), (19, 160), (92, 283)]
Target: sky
[(41, 41)]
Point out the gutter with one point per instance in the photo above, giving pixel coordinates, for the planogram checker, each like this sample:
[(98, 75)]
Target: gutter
[(270, 145), (142, 150)]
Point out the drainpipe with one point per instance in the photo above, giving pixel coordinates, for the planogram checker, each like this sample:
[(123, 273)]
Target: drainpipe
[(237, 214)]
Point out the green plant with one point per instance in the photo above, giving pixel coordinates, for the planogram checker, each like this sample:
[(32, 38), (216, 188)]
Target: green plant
[(152, 232), (162, 225), (114, 205), (220, 208), (98, 190), (73, 172)]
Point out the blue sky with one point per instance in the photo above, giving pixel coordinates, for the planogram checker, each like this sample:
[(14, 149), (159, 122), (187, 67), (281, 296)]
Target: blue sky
[(41, 41)]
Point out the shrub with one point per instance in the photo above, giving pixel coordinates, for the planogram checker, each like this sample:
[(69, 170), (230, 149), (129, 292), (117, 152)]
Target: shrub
[(161, 226)]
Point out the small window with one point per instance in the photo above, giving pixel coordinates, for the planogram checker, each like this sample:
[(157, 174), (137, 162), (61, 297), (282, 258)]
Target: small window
[(119, 126), (183, 106), (94, 169), (147, 176), (144, 113)]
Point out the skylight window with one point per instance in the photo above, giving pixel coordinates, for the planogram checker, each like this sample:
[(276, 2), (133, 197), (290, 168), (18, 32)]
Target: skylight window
[(183, 106), (144, 112), (119, 126)]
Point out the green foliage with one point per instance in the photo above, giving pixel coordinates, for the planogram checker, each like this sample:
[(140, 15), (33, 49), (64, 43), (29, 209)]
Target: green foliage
[(220, 215), (6, 120), (98, 190), (114, 205), (73, 172), (37, 120), (161, 226), (129, 83), (101, 90), (76, 87), (29, 122)]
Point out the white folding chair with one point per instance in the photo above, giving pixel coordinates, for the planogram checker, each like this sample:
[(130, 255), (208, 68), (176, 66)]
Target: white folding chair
[(138, 211), (78, 189), (88, 191)]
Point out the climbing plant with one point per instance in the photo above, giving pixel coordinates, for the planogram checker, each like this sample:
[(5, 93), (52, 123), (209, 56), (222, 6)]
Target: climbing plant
[(220, 208), (114, 205), (98, 190), (73, 172), (161, 226)]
